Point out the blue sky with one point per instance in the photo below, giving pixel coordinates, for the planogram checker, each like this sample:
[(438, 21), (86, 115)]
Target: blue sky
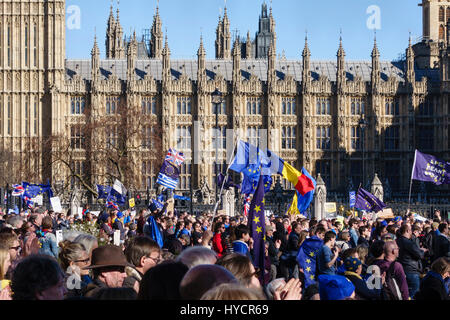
[(185, 20)]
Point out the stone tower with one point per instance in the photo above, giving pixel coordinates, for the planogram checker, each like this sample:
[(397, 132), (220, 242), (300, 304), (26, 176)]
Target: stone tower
[(223, 38), (115, 47), (32, 71), (435, 14), (156, 42), (266, 33)]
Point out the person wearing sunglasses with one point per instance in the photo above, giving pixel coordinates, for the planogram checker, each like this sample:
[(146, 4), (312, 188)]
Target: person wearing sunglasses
[(73, 258)]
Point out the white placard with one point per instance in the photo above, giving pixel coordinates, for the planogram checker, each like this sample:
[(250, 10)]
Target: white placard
[(420, 218), (80, 211), (56, 204), (59, 237), (39, 200), (117, 238), (95, 213)]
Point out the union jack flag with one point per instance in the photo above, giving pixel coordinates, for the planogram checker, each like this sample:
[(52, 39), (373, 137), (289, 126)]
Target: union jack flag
[(111, 204), (18, 190), (246, 204), (29, 202), (175, 157)]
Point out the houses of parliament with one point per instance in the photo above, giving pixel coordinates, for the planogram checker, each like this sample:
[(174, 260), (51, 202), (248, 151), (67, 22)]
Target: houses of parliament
[(342, 119)]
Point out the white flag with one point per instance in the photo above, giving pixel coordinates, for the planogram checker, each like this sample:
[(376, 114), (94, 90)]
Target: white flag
[(119, 187)]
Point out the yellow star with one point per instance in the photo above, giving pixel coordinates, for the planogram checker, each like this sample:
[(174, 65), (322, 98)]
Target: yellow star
[(257, 209), (263, 201), (308, 261), (256, 220), (308, 269), (311, 277), (258, 229), (311, 254)]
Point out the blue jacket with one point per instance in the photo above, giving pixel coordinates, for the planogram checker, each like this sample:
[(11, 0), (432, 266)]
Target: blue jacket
[(49, 245), (241, 247)]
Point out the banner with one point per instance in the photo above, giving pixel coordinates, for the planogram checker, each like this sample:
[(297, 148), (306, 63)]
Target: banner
[(352, 196)]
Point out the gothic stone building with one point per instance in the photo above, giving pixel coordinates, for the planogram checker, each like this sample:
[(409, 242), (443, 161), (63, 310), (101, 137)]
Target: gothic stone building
[(312, 110)]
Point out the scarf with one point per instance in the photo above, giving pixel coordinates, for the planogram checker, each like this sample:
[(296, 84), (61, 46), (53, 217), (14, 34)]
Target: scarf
[(350, 273)]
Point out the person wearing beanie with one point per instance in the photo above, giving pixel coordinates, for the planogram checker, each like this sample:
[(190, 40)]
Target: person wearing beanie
[(335, 287), (353, 273)]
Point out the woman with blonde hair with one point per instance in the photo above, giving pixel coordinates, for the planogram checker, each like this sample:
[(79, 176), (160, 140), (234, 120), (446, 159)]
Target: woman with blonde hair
[(73, 258), (5, 263)]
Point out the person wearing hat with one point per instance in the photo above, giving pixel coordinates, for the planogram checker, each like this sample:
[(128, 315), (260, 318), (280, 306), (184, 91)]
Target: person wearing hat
[(108, 268), (353, 272), (335, 287)]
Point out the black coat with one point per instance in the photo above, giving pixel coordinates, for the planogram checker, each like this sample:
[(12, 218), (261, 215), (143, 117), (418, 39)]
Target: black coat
[(273, 252), (431, 288), (442, 247), (361, 289), (410, 255), (363, 242)]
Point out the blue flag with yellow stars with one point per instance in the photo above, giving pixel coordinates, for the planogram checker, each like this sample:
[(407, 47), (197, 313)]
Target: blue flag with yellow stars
[(367, 201), (306, 258), (257, 226), (33, 190), (103, 191)]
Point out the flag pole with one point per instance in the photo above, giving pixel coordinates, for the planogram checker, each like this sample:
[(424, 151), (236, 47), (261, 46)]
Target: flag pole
[(410, 183), (223, 183)]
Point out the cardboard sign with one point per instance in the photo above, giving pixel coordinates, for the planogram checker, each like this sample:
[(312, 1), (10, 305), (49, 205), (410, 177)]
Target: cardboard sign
[(59, 237), (131, 202), (56, 204), (39, 200), (330, 210), (80, 211), (95, 213), (387, 213), (117, 238)]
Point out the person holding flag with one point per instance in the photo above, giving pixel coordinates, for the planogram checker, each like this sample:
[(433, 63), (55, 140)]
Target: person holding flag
[(307, 255), (257, 227)]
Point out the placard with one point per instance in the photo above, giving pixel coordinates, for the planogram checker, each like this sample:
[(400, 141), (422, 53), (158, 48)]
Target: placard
[(131, 202), (117, 238), (330, 210), (80, 211), (56, 204), (39, 200), (59, 237), (387, 213), (352, 197), (95, 213)]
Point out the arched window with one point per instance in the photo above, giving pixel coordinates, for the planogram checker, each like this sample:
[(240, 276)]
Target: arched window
[(441, 14), (441, 32)]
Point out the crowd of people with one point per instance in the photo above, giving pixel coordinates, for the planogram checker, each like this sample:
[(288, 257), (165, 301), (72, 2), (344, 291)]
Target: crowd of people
[(208, 257)]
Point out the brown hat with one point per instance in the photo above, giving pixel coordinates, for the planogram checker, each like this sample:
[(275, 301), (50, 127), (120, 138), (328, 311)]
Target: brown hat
[(108, 256)]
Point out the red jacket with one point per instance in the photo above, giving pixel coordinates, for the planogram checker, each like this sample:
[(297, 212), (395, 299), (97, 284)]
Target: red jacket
[(217, 244)]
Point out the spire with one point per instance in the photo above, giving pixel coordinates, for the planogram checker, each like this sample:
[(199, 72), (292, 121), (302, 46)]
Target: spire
[(248, 46), (306, 52), (410, 72), (375, 52), (201, 49), (341, 52), (95, 50), (156, 39), (95, 60), (111, 19)]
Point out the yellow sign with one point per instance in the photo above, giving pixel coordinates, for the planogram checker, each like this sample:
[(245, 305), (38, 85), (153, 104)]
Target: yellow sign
[(131, 202), (330, 207)]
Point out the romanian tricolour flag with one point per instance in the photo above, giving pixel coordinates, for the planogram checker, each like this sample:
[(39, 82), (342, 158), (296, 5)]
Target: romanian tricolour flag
[(301, 203), (303, 182)]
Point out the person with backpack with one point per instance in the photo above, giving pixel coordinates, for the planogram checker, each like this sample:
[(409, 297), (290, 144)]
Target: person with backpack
[(396, 287)]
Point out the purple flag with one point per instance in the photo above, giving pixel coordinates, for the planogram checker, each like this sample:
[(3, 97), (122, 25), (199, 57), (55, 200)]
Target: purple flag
[(257, 226), (367, 201), (428, 168)]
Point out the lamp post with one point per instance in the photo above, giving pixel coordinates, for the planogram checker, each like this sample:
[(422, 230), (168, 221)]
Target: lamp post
[(217, 100), (363, 125)]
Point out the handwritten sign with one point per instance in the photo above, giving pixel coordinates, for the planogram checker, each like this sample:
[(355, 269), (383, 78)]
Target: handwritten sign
[(56, 204)]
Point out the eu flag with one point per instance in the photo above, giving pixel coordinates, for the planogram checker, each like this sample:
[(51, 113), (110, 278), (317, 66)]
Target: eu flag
[(306, 258), (153, 231), (33, 190), (257, 226), (252, 162), (116, 196), (103, 191), (367, 201)]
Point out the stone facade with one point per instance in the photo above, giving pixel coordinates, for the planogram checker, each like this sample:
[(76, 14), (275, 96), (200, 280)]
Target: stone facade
[(312, 110)]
